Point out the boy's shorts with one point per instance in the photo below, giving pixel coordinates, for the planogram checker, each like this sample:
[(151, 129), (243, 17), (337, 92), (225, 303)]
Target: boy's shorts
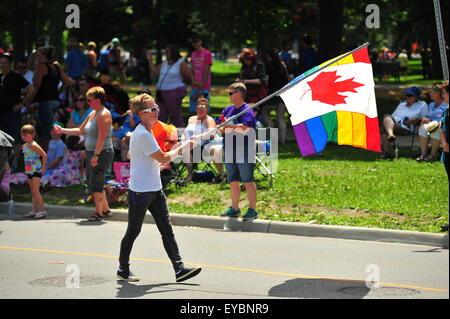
[(240, 172)]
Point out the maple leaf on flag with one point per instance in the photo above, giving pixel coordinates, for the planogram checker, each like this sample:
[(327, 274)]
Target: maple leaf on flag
[(326, 89)]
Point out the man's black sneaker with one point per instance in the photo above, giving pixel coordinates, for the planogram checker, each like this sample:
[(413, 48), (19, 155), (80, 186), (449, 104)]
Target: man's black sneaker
[(126, 275), (187, 273)]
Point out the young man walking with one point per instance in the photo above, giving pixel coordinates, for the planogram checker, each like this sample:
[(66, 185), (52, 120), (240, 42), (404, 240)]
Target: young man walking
[(145, 190)]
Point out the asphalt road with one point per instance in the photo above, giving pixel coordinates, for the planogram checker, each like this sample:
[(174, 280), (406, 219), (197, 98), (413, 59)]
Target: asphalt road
[(73, 258)]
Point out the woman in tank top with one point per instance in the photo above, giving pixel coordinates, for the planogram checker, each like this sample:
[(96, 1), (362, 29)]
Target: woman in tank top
[(44, 91), (171, 89), (97, 129)]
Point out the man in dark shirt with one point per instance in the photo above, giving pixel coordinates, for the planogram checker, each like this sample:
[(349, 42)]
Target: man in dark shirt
[(11, 86)]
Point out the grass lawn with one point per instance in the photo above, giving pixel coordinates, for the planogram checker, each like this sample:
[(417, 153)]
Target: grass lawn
[(341, 186)]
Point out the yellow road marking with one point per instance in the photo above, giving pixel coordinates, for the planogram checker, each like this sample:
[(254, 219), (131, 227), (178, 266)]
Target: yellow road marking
[(222, 267)]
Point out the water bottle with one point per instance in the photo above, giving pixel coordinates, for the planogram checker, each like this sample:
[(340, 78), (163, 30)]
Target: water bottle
[(11, 206), (396, 152)]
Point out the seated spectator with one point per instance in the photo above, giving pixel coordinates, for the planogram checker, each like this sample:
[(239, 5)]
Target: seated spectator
[(80, 111), (197, 125), (55, 154), (429, 131), (122, 133), (68, 172), (407, 114)]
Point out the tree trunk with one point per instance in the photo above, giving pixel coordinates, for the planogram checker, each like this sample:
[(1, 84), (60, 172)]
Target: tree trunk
[(18, 37), (331, 20)]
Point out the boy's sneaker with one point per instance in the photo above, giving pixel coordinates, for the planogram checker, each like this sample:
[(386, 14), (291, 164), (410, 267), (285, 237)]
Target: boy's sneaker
[(186, 273), (250, 214), (231, 212), (126, 275)]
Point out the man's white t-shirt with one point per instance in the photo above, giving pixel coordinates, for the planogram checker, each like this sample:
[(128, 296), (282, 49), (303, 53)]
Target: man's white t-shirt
[(144, 170)]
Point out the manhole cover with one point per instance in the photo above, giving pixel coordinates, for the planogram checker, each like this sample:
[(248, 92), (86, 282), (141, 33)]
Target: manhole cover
[(63, 281), (379, 292)]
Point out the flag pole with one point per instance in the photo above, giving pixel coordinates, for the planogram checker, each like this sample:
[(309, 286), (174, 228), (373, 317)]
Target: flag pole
[(283, 89), (441, 40)]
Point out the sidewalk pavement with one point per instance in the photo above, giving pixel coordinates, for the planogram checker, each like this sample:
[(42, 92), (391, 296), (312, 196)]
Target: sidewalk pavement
[(257, 225)]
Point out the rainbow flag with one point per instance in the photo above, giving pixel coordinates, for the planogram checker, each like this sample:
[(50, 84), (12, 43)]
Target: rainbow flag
[(337, 104)]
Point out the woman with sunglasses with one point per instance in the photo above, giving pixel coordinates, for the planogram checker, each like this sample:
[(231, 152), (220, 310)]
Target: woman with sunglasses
[(80, 111), (97, 129), (146, 193), (197, 125), (239, 145), (429, 129)]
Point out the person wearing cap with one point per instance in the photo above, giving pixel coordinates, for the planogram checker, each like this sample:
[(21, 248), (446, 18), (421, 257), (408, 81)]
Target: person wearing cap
[(429, 130), (115, 65), (253, 75), (406, 116)]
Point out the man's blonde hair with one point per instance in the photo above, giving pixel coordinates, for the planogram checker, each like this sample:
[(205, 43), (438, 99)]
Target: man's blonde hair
[(140, 102), (238, 86)]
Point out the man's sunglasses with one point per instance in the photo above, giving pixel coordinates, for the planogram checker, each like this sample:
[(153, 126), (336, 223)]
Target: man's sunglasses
[(152, 109), (231, 93)]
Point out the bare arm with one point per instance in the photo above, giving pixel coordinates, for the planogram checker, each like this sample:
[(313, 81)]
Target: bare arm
[(77, 131), (36, 148), (153, 68), (166, 157), (55, 163), (444, 142), (67, 81), (41, 70), (104, 122), (187, 73)]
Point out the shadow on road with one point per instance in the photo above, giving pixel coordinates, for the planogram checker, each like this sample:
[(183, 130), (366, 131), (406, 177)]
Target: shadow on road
[(131, 290), (319, 289)]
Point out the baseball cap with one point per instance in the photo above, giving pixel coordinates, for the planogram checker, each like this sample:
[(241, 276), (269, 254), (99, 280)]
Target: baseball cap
[(413, 90)]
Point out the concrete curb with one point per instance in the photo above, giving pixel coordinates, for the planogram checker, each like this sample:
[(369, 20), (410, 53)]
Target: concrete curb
[(258, 225)]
